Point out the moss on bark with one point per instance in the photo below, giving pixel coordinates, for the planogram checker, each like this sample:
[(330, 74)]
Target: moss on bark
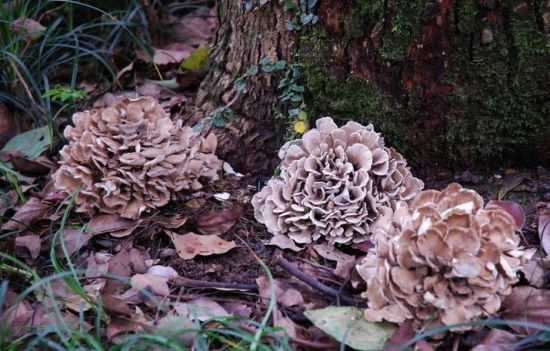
[(460, 83)]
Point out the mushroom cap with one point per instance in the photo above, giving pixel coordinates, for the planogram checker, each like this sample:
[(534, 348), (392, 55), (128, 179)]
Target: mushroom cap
[(334, 184), (444, 258), (131, 158)]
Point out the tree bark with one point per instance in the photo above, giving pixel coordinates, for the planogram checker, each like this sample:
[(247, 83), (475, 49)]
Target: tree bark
[(243, 37), (448, 82)]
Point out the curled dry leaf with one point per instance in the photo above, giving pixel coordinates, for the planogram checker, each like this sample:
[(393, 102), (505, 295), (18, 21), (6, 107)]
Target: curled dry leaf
[(112, 224), (163, 271), (218, 222), (544, 229), (535, 271), (74, 239), (344, 262), (513, 209), (190, 245), (27, 246), (529, 305), (31, 211), (122, 265), (284, 242), (178, 328), (400, 336), (200, 309), (156, 283), (496, 340)]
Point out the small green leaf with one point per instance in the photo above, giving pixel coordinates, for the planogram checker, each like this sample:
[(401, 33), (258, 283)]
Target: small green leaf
[(266, 60), (295, 98), (347, 325), (294, 111), (268, 68), (289, 5), (297, 88), (252, 71), (302, 115), (280, 65), (32, 143), (218, 121), (196, 61)]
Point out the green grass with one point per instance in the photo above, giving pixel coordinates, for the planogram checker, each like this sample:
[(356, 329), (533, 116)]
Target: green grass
[(231, 333), (75, 34)]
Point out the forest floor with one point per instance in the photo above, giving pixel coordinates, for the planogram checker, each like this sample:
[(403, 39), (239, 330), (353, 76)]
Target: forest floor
[(74, 271)]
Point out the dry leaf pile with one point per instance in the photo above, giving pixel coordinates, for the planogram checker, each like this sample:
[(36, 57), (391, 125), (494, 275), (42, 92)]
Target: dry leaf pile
[(335, 184), (132, 158), (446, 258)]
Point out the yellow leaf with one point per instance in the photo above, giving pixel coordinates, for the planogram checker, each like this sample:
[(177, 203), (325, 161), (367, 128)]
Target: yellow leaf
[(196, 60), (300, 127)]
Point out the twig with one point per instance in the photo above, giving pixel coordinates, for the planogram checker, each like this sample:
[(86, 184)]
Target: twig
[(306, 343), (192, 283), (290, 268)]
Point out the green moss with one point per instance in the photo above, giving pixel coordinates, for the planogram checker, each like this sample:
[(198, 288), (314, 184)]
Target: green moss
[(350, 99), (404, 29), (500, 104)]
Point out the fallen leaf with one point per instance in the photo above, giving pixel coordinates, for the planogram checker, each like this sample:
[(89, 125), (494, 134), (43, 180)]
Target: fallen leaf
[(169, 222), (119, 269), (264, 289), (527, 304), (31, 211), (238, 309), (8, 201), (332, 253), (284, 242), (177, 328), (535, 271), (496, 340), (74, 239), (156, 283), (291, 297), (112, 224), (544, 229), (27, 246), (364, 246), (285, 323), (200, 309), (31, 143), (121, 326), (22, 164), (218, 222), (513, 209), (347, 325), (400, 336), (195, 204), (190, 245), (163, 271), (170, 53)]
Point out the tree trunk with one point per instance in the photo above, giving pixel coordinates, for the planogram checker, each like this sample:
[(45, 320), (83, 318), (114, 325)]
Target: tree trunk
[(448, 82), (243, 37)]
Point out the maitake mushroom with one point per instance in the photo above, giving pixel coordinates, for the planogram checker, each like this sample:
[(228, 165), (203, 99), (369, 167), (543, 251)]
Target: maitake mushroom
[(444, 258), (132, 158), (334, 184)]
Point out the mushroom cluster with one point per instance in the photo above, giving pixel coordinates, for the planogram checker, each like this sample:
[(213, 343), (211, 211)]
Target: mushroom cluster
[(132, 158), (334, 184), (444, 258)]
